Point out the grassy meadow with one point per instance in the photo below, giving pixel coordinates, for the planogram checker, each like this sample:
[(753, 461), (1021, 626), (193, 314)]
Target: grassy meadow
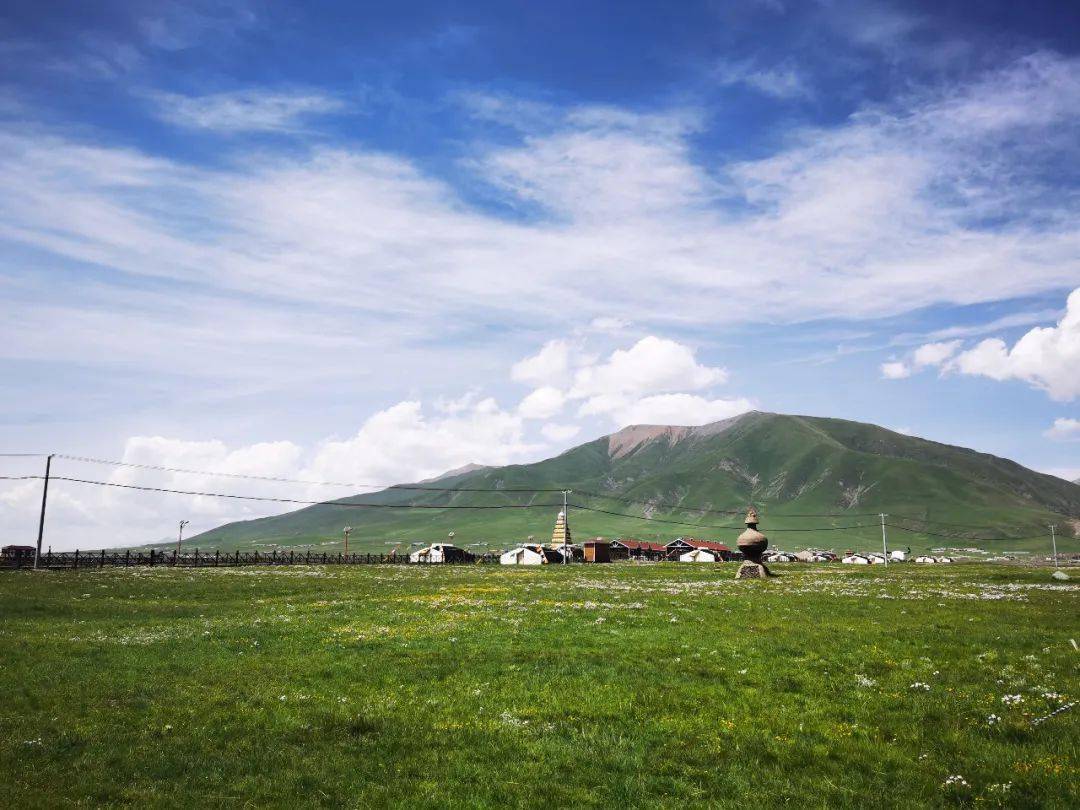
[(581, 686)]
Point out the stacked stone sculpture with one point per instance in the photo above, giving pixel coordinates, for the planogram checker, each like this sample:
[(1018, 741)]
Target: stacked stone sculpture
[(752, 544)]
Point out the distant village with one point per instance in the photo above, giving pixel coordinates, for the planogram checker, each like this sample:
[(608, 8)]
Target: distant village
[(562, 549)]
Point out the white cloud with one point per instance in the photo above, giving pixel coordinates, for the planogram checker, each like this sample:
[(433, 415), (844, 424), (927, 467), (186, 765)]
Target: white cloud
[(648, 382), (609, 324), (543, 403), (1046, 357), (678, 409), (934, 354), (779, 81), (929, 354), (559, 433), (245, 110), (402, 443), (550, 365), (399, 444), (652, 365), (1064, 428), (895, 370), (883, 214)]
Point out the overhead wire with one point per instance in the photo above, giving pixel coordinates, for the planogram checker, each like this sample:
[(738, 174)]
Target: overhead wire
[(277, 479), (498, 490), (299, 502)]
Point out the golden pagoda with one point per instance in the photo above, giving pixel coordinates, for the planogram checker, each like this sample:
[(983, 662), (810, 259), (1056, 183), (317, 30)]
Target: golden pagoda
[(561, 536)]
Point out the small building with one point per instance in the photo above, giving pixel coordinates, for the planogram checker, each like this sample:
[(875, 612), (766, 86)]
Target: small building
[(597, 551), (530, 554), (700, 555), (18, 553), (680, 545), (625, 548), (440, 553)]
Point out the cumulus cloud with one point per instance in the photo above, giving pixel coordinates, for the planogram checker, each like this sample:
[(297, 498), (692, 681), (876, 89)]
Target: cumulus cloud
[(652, 365), (1046, 357), (558, 433), (398, 444), (895, 370), (550, 364), (650, 382), (245, 110), (929, 354), (678, 409), (543, 403), (1064, 428)]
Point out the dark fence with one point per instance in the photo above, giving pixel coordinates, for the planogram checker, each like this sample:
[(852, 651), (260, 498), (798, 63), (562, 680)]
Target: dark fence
[(125, 559)]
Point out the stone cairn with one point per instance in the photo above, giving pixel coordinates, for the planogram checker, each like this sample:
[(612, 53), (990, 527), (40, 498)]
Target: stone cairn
[(752, 544)]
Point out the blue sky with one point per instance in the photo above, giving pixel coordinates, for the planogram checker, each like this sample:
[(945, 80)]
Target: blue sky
[(368, 243)]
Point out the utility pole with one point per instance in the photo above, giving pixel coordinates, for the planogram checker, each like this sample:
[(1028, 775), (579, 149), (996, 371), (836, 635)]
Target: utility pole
[(41, 521), (180, 536), (1053, 542), (884, 540), (347, 529)]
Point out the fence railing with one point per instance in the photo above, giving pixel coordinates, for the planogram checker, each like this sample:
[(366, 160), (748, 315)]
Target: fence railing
[(195, 559)]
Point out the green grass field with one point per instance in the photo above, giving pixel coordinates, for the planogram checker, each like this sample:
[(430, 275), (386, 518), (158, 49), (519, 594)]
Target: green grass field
[(622, 685)]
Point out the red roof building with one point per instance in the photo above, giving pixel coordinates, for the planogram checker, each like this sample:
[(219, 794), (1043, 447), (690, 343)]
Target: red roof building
[(626, 547)]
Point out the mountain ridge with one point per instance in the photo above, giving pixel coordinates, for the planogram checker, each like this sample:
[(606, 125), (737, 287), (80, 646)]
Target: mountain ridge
[(837, 471)]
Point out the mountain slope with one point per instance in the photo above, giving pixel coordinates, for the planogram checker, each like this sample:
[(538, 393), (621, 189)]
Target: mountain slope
[(803, 473)]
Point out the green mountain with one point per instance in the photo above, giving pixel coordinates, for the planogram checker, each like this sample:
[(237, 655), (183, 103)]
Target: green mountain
[(817, 482)]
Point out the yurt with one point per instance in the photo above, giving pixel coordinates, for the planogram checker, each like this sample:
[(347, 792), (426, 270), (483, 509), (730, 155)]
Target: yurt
[(440, 553), (530, 555), (700, 555)]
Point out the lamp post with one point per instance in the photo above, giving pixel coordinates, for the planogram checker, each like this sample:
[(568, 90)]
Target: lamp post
[(180, 536), (347, 529)]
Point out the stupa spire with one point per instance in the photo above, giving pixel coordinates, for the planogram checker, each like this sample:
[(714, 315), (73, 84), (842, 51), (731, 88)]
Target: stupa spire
[(561, 535)]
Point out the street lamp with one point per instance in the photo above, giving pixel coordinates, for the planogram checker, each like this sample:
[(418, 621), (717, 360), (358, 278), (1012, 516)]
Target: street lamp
[(180, 536), (347, 529)]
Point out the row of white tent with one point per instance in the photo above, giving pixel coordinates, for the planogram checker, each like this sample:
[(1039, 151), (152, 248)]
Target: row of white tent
[(894, 556)]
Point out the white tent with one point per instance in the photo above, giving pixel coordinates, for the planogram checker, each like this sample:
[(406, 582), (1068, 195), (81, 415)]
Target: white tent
[(435, 553), (877, 559), (897, 556), (856, 559), (926, 559), (529, 555), (699, 555), (780, 556)]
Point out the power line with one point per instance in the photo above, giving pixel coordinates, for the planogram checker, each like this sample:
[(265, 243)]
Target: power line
[(23, 455), (189, 471), (303, 502), (931, 522), (960, 536)]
